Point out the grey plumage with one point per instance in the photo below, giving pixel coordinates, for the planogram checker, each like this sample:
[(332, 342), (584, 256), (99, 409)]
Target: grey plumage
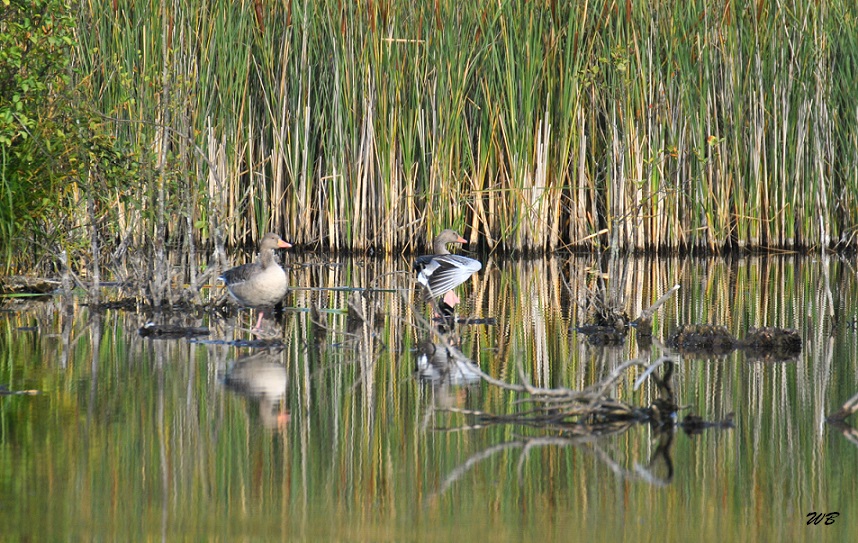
[(260, 284), (441, 272)]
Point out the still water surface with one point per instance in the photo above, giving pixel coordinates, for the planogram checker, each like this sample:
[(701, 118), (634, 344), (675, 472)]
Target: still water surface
[(336, 437)]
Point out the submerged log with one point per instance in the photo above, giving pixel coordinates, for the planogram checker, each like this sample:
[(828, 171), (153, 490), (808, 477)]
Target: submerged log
[(170, 331)]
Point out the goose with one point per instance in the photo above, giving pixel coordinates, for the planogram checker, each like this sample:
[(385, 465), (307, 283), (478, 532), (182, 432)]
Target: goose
[(439, 273), (260, 284)]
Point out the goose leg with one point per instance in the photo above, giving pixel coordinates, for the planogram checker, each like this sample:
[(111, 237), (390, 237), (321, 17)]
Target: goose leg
[(259, 320)]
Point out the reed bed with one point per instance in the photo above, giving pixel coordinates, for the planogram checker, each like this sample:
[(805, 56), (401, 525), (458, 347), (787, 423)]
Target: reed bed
[(531, 126)]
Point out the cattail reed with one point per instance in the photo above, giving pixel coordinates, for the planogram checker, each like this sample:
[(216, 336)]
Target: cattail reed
[(532, 126)]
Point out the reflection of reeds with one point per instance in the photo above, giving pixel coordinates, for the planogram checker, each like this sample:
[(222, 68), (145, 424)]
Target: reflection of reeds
[(535, 125), (143, 409)]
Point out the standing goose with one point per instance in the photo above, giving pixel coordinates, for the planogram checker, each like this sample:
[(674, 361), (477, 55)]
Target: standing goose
[(439, 273), (260, 284)]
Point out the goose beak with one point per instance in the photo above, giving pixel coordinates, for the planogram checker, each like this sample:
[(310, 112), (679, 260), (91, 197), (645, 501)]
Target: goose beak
[(283, 244), (461, 240)]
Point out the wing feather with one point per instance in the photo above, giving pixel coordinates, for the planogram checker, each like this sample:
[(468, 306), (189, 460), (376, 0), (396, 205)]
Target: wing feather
[(440, 274)]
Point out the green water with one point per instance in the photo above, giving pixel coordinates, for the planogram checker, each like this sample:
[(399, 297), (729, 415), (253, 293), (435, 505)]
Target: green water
[(135, 439)]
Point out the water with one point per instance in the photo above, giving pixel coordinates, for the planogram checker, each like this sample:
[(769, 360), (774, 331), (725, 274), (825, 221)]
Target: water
[(140, 439)]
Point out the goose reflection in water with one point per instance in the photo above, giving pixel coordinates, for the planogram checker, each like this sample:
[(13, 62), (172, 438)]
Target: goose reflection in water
[(261, 378), (445, 364)]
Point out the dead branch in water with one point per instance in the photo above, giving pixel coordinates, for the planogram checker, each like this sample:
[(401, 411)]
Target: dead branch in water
[(591, 411), (838, 419), (658, 471), (849, 407), (586, 411), (647, 313), (610, 323)]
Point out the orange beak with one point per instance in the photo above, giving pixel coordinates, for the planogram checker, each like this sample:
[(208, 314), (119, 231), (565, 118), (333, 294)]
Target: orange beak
[(283, 244), (461, 240)]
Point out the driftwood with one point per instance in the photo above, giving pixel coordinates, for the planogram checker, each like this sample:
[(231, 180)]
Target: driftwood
[(590, 411), (571, 417), (645, 318), (583, 418)]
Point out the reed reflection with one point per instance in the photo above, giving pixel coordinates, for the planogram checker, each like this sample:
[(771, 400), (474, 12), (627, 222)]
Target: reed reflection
[(372, 391)]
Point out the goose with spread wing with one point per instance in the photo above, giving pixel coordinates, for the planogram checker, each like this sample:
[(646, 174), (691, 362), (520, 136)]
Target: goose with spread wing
[(439, 273)]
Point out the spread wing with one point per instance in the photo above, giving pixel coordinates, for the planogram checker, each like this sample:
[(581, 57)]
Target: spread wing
[(441, 273)]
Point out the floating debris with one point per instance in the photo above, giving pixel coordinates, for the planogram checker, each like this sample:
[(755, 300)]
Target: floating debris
[(588, 411), (473, 321), (602, 335), (22, 284), (592, 412), (170, 331), (695, 424), (271, 344), (696, 339), (4, 391), (609, 325), (766, 344), (848, 408), (771, 344), (124, 304)]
